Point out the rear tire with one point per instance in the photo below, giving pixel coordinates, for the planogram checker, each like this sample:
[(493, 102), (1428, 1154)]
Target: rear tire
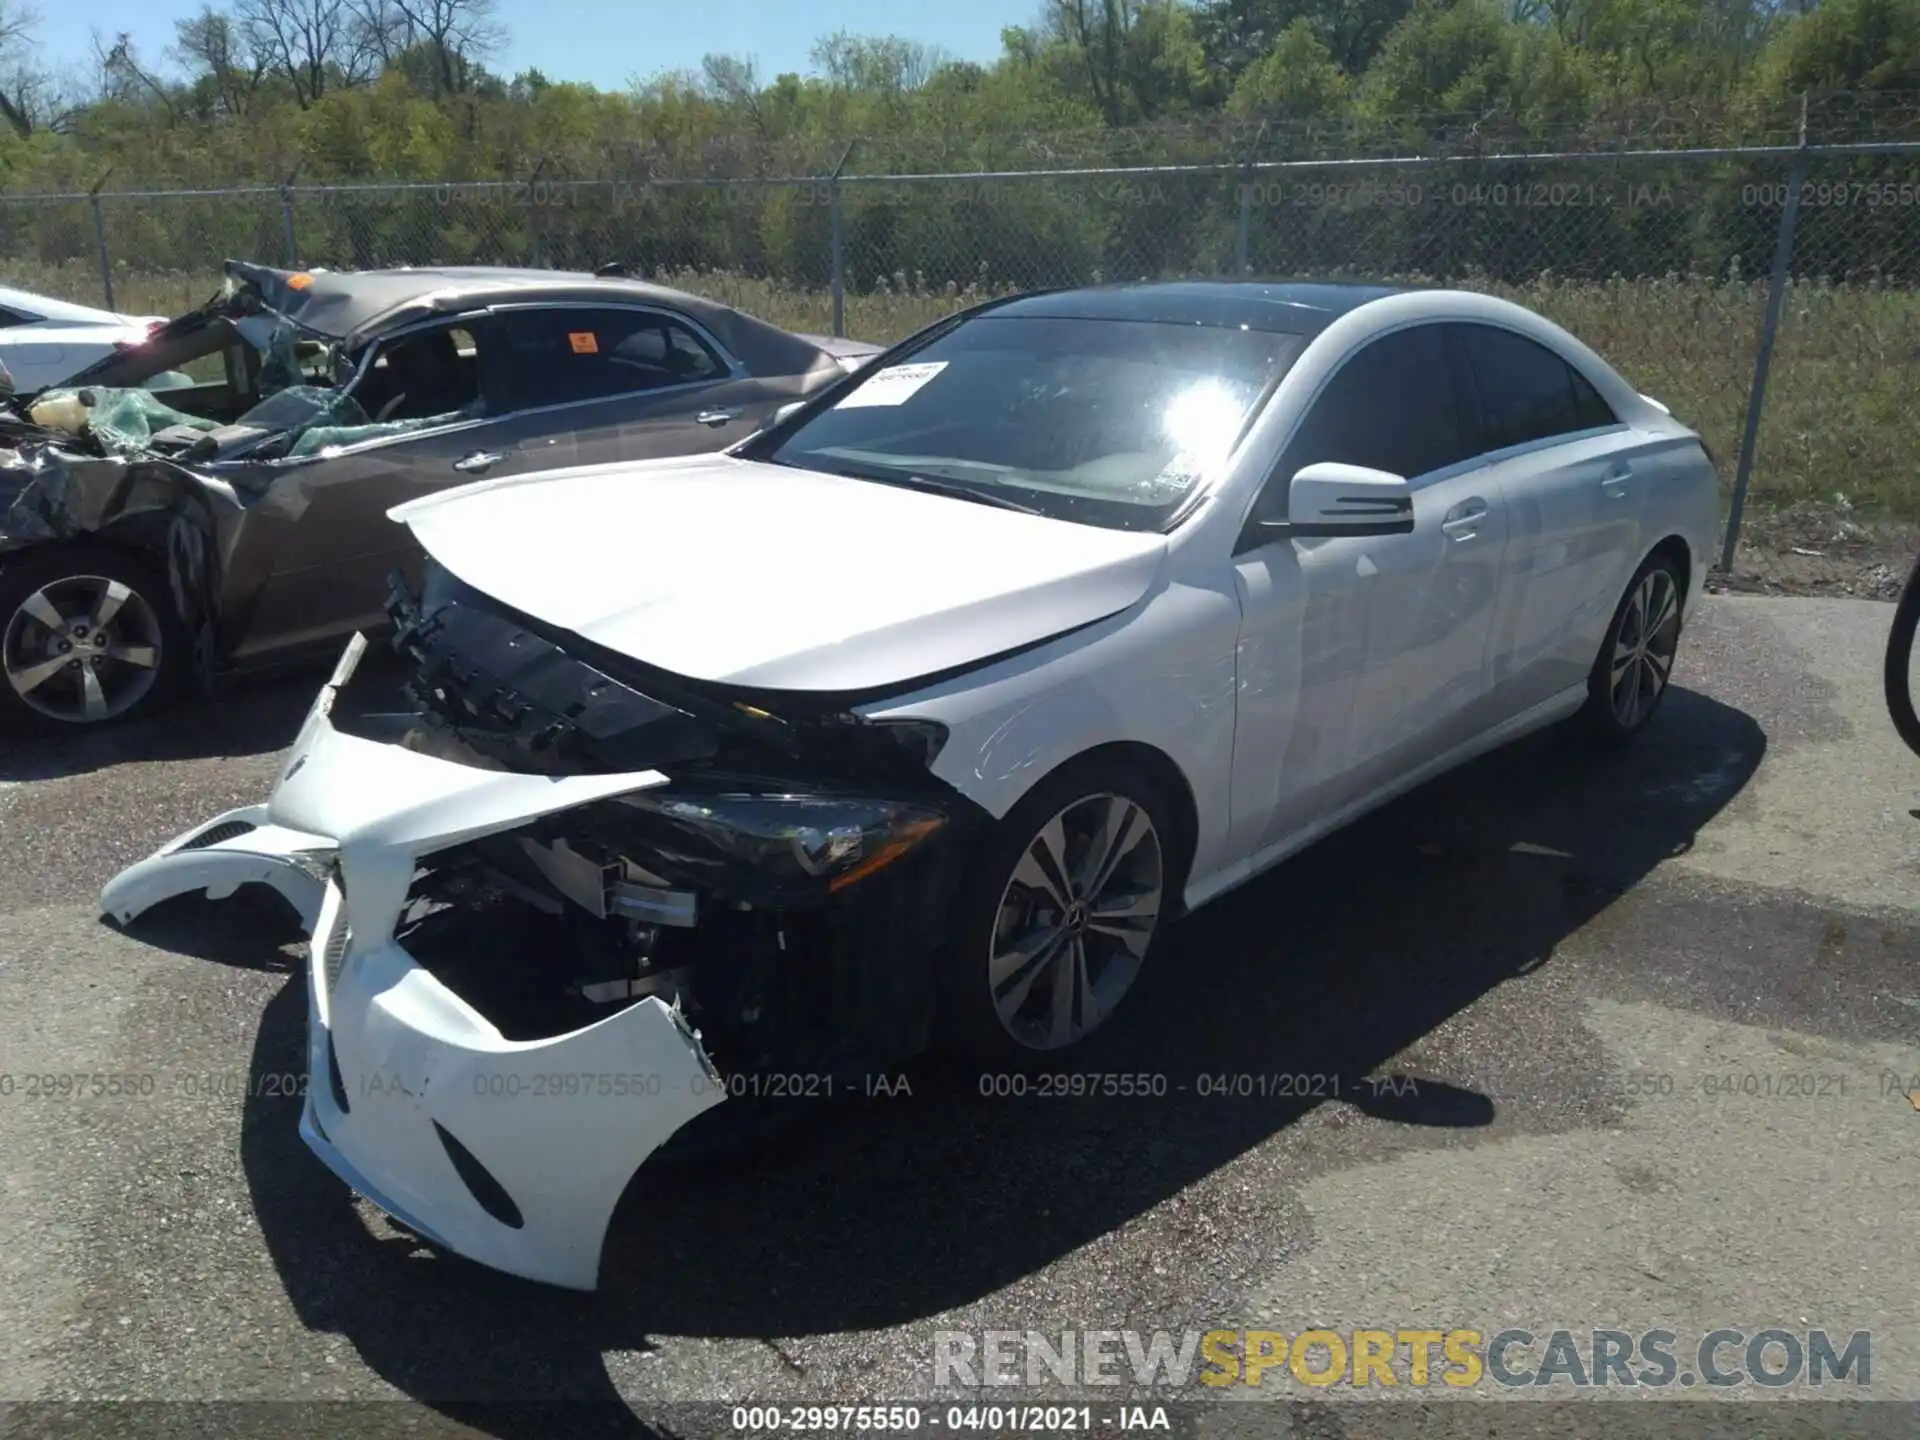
[(1899, 679), (1634, 669), (88, 638), (1060, 915)]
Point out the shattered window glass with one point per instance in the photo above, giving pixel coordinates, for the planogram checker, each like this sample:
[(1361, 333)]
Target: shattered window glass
[(299, 406), (260, 385), (325, 437), (127, 420), (288, 356), (429, 375)]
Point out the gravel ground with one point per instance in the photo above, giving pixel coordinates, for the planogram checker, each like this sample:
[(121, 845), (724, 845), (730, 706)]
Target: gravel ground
[(1825, 550), (1567, 957)]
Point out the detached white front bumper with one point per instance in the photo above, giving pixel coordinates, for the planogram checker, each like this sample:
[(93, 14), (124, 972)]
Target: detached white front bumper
[(513, 1153)]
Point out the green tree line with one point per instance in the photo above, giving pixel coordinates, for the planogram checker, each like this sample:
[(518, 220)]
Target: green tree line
[(361, 92)]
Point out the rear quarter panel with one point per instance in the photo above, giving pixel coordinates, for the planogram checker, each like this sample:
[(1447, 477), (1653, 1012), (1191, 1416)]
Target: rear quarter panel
[(1681, 497)]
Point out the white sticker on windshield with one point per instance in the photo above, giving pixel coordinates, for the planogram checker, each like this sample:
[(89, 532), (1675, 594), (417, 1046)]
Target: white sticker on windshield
[(1182, 471), (894, 385)]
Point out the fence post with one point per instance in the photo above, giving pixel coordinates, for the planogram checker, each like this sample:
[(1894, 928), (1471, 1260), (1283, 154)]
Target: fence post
[(836, 246), (1763, 359), (536, 216), (286, 217), (100, 237), (1243, 227)]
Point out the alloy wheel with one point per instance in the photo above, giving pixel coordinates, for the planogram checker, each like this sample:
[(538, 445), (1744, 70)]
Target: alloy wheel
[(82, 649), (1644, 647), (1074, 921)]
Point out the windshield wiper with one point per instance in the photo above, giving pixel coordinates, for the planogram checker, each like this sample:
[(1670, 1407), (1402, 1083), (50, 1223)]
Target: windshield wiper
[(958, 490), (931, 485)]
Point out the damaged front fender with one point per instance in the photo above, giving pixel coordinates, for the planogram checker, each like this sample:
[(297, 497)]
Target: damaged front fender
[(175, 519), (241, 847)]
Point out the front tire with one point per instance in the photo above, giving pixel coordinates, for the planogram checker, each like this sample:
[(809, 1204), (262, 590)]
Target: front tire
[(87, 638), (1060, 915), (1631, 674)]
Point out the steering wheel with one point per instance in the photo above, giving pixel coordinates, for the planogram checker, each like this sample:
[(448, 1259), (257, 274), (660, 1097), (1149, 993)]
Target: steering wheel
[(388, 408)]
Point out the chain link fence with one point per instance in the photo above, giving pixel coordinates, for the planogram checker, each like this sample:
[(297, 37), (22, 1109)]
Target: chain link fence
[(1766, 294)]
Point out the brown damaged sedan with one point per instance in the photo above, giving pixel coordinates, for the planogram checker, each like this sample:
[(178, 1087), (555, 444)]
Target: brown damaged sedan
[(214, 501)]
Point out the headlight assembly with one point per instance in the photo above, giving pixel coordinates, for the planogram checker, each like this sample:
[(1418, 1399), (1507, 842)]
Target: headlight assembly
[(832, 840)]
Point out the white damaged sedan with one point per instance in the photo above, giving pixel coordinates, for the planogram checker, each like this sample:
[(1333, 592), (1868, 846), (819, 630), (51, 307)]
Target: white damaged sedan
[(917, 717)]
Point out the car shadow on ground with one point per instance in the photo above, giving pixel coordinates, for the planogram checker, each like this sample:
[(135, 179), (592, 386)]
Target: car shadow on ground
[(899, 1209), (252, 929), (248, 717)]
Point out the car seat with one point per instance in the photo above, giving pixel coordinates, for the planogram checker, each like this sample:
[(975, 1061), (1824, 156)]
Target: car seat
[(426, 377)]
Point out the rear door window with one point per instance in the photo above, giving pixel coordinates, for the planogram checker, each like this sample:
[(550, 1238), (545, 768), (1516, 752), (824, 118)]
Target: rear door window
[(555, 356), (1527, 392)]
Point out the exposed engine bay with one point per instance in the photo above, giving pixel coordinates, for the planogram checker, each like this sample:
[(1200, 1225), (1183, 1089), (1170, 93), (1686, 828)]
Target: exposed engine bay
[(785, 890), (553, 880)]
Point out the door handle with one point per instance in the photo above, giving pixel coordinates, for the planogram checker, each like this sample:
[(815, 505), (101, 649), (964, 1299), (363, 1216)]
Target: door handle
[(715, 418), (478, 463), (1462, 522), (1614, 482)]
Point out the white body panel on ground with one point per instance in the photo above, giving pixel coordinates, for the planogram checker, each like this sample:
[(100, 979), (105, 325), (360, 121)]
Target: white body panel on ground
[(288, 861), (411, 1055)]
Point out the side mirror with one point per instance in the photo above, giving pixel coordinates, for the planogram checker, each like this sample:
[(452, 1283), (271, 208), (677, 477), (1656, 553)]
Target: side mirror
[(781, 415), (1334, 499)]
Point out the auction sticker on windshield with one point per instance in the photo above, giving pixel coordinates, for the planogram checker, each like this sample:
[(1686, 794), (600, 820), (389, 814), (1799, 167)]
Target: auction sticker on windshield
[(894, 385)]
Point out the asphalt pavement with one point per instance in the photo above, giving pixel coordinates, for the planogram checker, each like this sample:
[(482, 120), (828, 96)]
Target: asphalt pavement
[(1616, 1042)]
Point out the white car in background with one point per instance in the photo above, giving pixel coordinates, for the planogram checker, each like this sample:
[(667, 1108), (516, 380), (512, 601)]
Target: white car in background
[(922, 711), (43, 341)]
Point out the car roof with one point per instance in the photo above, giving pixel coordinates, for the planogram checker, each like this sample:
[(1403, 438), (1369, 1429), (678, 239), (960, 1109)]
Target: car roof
[(347, 303), (47, 308), (1287, 307), (359, 305)]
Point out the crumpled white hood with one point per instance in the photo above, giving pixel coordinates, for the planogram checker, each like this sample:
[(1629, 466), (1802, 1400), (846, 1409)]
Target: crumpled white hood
[(730, 570)]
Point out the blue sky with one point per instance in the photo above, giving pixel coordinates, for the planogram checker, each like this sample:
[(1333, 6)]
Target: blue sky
[(609, 42)]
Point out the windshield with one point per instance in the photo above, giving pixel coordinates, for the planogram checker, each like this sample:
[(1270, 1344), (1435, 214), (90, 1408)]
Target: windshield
[(1105, 422), (227, 364)]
